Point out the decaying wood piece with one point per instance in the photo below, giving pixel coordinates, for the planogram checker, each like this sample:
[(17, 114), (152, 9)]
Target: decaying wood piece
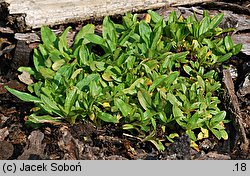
[(72, 147), (53, 12), (34, 148), (232, 103), (6, 149), (243, 38), (227, 6), (22, 55)]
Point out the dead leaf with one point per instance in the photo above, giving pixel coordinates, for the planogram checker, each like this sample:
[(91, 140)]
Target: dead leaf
[(25, 78), (4, 132)]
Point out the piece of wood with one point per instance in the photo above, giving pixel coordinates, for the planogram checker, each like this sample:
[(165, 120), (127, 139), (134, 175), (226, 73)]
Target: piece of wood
[(243, 38), (228, 6), (35, 148), (53, 12), (232, 105)]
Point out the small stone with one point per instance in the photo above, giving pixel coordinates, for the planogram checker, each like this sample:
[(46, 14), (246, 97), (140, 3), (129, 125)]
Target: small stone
[(6, 150)]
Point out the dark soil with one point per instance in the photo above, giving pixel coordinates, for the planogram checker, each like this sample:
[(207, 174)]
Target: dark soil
[(87, 142)]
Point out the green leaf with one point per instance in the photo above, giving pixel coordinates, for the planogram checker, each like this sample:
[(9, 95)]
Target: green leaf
[(66, 70), (177, 112), (157, 81), (158, 144), (84, 55), (174, 135), (30, 70), (23, 96), (55, 55), (171, 78), (43, 51), (45, 119), (128, 126), (94, 89), (224, 134), (71, 96), (124, 39), (50, 104), (219, 117), (201, 82), (79, 39), (204, 25), (209, 74), (188, 69), (189, 24), (217, 133), (63, 42), (132, 89), (228, 43), (193, 121), (106, 117), (48, 37), (162, 117), (181, 57), (191, 134), (144, 99), (128, 20), (173, 100), (237, 48), (145, 31), (109, 30), (76, 73), (205, 13), (208, 42), (38, 60), (215, 21), (125, 108), (37, 88), (196, 27), (225, 57), (57, 65), (46, 72), (155, 16), (156, 35), (86, 81), (172, 17), (96, 39)]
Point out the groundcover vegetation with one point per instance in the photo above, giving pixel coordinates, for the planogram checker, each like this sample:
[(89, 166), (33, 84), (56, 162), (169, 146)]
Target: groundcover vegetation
[(154, 78)]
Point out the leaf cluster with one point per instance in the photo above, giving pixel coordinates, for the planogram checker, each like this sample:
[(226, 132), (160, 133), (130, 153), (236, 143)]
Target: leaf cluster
[(148, 76)]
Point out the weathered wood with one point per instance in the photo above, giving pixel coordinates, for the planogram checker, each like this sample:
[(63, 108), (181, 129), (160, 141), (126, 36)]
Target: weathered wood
[(52, 12), (232, 105), (245, 40), (21, 55), (35, 147), (228, 6)]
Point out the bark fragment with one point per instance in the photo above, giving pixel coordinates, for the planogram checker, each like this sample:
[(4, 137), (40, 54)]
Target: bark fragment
[(232, 106), (34, 148)]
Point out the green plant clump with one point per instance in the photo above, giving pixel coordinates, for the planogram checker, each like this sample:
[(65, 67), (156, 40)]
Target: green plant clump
[(149, 76)]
